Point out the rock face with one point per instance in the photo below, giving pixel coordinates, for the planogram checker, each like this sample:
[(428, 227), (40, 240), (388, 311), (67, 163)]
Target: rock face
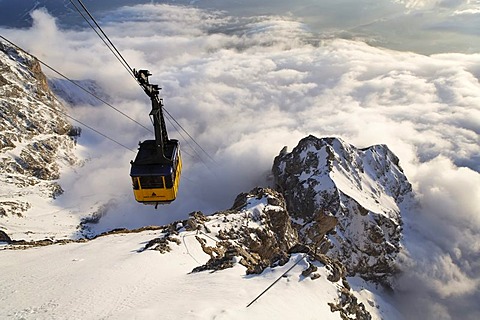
[(35, 138), (257, 232), (345, 201), (257, 229)]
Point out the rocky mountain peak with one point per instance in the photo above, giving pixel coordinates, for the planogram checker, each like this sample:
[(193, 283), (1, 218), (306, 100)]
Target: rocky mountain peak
[(35, 137), (346, 201)]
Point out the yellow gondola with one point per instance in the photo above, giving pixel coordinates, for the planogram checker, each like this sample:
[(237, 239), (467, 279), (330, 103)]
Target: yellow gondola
[(156, 170)]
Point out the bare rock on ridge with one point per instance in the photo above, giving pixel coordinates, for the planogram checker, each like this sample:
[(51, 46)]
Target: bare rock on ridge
[(257, 229), (346, 201), (35, 136)]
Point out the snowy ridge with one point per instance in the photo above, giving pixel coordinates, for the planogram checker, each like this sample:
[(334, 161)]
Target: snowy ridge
[(256, 242), (35, 143), (165, 271), (362, 189), (256, 236)]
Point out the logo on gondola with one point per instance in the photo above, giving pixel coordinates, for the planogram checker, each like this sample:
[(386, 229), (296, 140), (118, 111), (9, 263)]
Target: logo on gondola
[(153, 194)]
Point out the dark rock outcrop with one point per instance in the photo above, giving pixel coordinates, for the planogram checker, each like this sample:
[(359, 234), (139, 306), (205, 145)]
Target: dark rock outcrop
[(4, 237)]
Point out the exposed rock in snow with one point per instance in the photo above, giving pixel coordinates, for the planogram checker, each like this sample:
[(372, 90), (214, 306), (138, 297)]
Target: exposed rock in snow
[(35, 138), (257, 228), (337, 211), (4, 237), (257, 233), (346, 201)]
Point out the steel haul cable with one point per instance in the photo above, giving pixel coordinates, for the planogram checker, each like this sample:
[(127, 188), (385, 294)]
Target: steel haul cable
[(65, 114), (110, 44), (106, 40), (278, 279), (76, 84), (105, 102)]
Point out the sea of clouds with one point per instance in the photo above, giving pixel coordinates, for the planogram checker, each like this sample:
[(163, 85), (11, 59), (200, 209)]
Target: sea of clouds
[(245, 86)]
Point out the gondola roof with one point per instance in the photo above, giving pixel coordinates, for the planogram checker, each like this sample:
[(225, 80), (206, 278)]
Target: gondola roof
[(149, 159)]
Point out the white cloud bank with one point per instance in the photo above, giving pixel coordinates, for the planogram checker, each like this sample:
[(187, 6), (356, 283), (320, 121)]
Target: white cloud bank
[(245, 87)]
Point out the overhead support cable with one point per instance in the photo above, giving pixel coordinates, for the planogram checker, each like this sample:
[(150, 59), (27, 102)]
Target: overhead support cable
[(104, 37), (98, 132), (278, 279), (125, 65), (64, 113), (188, 143), (188, 134), (76, 84), (116, 53)]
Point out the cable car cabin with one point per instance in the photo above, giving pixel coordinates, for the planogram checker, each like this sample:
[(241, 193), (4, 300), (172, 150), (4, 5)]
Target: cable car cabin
[(156, 173)]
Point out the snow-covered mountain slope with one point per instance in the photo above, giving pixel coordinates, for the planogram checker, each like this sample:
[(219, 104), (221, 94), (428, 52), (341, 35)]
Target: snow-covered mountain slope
[(166, 273), (341, 218), (36, 141), (75, 92), (355, 193)]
